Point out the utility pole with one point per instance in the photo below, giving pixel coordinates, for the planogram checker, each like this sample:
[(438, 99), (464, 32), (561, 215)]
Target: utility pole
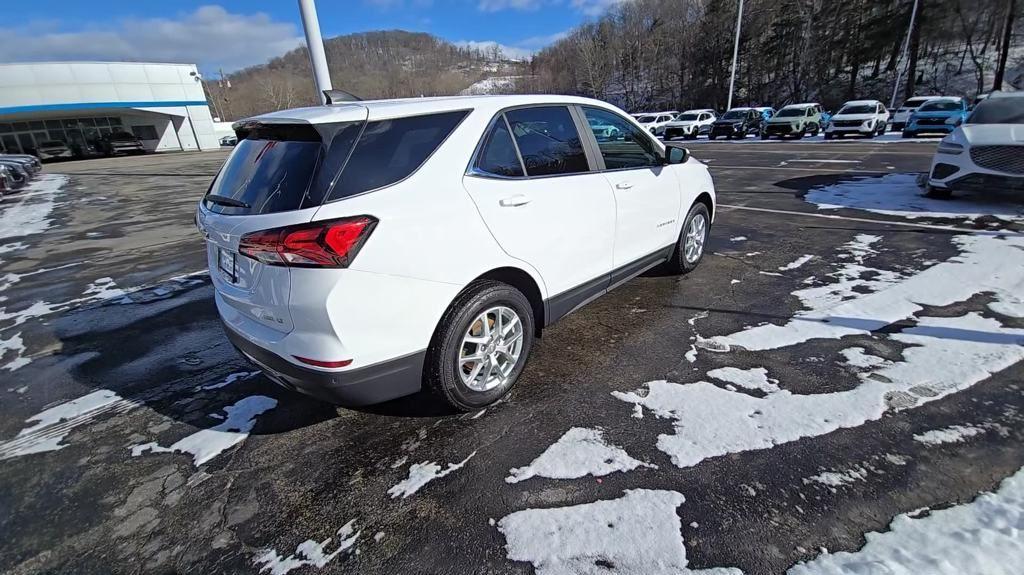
[(997, 82), (906, 47), (315, 44), (735, 55)]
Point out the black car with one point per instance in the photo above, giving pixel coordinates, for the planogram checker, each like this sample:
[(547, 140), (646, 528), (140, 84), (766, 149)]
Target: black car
[(737, 123), (121, 143)]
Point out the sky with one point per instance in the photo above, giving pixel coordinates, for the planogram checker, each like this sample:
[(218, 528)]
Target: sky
[(233, 34)]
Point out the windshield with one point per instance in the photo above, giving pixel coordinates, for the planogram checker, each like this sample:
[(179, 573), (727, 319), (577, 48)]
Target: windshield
[(686, 117), (790, 112), (914, 102), (646, 119), (941, 106), (734, 115), (998, 111), (858, 109)]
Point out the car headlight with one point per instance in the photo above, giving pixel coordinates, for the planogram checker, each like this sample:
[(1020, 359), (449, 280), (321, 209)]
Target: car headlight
[(947, 147), (737, 125), (868, 123)]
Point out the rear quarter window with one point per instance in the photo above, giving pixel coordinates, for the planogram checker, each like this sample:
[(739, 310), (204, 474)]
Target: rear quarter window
[(390, 150)]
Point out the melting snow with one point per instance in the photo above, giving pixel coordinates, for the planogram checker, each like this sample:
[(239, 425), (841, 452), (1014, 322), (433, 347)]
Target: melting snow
[(308, 552), (983, 259), (637, 534), (951, 434), (797, 262), (579, 452), (839, 478), (232, 378), (421, 474), (206, 444), (31, 217), (755, 378), (54, 424), (856, 357), (952, 354), (738, 239), (15, 344), (983, 536), (900, 195)]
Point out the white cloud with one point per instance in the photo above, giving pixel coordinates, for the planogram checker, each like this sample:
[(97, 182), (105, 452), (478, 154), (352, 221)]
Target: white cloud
[(511, 52), (210, 36), (594, 7), (537, 42)]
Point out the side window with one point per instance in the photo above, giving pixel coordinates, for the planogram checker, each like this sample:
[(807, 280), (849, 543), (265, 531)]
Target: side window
[(498, 155), (624, 146), (390, 150), (548, 140)]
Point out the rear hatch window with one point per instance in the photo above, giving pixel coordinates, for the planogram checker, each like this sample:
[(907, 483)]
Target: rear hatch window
[(284, 167)]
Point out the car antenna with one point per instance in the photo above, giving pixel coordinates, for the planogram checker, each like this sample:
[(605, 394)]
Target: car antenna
[(337, 96)]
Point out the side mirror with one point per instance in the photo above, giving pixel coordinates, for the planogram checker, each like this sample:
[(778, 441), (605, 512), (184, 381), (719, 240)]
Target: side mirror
[(676, 155)]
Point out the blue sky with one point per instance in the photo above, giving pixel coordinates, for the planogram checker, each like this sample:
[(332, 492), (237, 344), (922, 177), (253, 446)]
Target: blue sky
[(236, 33)]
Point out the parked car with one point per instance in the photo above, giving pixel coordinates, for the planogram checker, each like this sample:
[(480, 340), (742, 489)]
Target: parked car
[(794, 121), (229, 140), (983, 153), (363, 249), (766, 112), (28, 162), (690, 124), (604, 132), (18, 172), (737, 123), (54, 150), (938, 115), (902, 114), (7, 183), (121, 143), (866, 118), (655, 123)]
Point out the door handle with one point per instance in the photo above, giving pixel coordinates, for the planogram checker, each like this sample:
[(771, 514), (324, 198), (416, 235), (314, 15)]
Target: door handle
[(513, 201), (623, 186)]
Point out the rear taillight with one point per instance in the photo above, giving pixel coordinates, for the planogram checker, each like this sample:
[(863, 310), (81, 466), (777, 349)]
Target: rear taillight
[(327, 244)]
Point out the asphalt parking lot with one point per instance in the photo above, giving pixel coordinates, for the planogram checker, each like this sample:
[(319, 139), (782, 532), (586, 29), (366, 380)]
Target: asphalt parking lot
[(794, 390)]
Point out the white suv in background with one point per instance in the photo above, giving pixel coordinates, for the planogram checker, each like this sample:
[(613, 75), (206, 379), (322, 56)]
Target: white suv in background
[(655, 123), (902, 114), (689, 124), (858, 118), (984, 154), (361, 250)]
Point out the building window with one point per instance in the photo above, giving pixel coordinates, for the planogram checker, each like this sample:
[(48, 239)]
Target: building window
[(145, 132)]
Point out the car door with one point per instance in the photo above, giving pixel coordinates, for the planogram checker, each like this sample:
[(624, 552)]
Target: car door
[(646, 194), (533, 184)]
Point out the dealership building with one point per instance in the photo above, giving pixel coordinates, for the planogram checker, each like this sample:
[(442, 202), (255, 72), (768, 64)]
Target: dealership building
[(80, 102)]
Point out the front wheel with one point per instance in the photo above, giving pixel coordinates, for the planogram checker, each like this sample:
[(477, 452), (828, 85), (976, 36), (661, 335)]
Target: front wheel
[(689, 248), (711, 136), (480, 346), (907, 134), (938, 193)]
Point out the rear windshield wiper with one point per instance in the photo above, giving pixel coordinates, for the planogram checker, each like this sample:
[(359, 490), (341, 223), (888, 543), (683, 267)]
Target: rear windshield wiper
[(226, 201)]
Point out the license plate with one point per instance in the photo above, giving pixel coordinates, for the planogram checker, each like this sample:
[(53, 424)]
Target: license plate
[(226, 263)]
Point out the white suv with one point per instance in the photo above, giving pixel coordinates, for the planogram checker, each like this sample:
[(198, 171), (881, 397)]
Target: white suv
[(985, 153), (858, 118), (655, 123), (689, 124), (361, 250)]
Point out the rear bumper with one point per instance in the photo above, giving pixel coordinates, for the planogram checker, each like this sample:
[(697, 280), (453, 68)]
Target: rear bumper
[(362, 386)]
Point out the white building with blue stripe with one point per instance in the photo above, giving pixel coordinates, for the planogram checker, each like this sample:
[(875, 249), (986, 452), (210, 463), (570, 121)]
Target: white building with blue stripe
[(79, 102)]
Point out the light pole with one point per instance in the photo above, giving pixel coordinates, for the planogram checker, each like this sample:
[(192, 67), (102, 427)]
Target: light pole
[(315, 44), (906, 48), (735, 55)]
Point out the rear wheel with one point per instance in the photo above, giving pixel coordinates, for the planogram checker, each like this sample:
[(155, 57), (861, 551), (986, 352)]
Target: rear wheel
[(907, 134), (828, 135), (711, 136), (764, 136), (689, 248), (481, 345)]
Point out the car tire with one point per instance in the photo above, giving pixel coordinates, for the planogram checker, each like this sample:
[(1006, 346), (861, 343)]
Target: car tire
[(828, 135), (679, 262), (443, 372), (711, 136), (938, 193), (907, 134), (765, 136)]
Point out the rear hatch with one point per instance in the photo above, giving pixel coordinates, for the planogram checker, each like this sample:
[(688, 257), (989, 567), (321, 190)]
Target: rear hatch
[(272, 178)]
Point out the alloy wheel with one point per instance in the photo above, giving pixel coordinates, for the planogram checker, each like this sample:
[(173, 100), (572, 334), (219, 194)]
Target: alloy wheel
[(696, 234), (491, 348)]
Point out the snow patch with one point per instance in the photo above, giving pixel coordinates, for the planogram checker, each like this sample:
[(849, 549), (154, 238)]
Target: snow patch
[(857, 357), (637, 534), (308, 553), (797, 262), (755, 378), (206, 444), (421, 474), (900, 195), (839, 478), (951, 434), (982, 536), (579, 452), (738, 239), (54, 424), (231, 378), (31, 215)]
